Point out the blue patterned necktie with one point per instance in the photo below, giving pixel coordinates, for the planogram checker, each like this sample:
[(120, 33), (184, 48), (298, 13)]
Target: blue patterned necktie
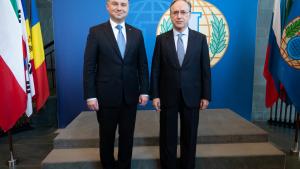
[(180, 49), (121, 40)]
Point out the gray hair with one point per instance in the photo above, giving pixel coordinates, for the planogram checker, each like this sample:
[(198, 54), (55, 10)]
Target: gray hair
[(187, 1)]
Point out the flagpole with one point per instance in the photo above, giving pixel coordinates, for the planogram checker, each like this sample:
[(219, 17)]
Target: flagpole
[(12, 162), (29, 11)]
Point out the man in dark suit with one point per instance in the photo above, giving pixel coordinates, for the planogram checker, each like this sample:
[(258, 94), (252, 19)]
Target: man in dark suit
[(115, 80), (180, 82)]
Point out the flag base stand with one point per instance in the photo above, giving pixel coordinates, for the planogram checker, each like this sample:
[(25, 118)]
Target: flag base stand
[(295, 149), (12, 162)]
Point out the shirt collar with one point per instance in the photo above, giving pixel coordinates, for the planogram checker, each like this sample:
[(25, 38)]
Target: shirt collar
[(114, 24), (185, 32)]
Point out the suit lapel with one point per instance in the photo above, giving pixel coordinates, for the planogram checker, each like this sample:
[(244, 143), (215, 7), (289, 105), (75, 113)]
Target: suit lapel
[(129, 39), (189, 47), (172, 49), (112, 39)]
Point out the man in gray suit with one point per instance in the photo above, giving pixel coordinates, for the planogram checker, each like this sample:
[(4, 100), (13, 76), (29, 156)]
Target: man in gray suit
[(115, 80), (180, 82)]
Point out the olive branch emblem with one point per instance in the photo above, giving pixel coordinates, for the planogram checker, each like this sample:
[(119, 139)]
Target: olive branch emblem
[(217, 44), (293, 29), (166, 25)]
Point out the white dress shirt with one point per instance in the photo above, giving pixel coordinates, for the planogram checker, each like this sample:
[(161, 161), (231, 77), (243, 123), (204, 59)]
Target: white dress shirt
[(184, 37), (116, 31)]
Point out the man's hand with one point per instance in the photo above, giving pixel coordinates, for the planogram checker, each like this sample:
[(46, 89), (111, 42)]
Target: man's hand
[(203, 104), (156, 104), (143, 99), (93, 104)]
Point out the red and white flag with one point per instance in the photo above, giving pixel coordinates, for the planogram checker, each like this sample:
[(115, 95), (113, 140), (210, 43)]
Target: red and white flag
[(13, 98)]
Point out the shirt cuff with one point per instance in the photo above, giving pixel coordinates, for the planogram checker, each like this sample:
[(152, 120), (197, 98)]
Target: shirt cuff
[(146, 95), (91, 99)]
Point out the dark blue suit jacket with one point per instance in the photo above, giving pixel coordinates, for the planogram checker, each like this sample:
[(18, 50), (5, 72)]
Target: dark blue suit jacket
[(109, 77), (193, 77)]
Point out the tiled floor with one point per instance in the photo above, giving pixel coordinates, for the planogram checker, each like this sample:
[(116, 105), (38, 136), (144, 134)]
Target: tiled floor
[(283, 139), (32, 146)]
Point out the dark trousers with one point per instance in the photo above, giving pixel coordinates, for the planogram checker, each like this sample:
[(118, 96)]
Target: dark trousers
[(189, 118), (109, 118)]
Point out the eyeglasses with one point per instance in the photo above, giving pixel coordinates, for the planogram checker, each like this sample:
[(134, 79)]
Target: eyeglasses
[(182, 12)]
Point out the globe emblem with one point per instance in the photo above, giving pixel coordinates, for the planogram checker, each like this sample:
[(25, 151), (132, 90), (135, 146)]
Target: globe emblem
[(144, 14), (207, 19), (290, 44), (293, 48)]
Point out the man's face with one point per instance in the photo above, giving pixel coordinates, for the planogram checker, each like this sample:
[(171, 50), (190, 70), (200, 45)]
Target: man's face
[(180, 15), (118, 9)]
